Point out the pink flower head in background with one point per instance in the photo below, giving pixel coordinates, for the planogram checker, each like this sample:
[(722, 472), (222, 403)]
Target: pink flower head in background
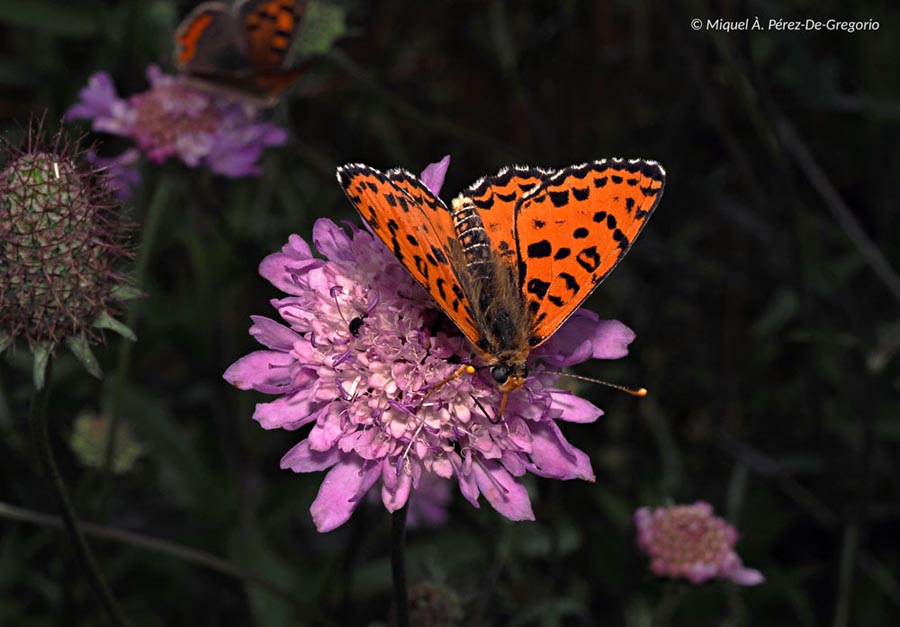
[(691, 542), (363, 345), (175, 120)]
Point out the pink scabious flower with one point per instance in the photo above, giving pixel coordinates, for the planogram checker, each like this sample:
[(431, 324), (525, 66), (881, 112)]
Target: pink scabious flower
[(691, 542), (363, 344), (173, 119)]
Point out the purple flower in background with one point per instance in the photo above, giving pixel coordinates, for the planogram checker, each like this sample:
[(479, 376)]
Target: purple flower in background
[(364, 344), (691, 542), (175, 120)]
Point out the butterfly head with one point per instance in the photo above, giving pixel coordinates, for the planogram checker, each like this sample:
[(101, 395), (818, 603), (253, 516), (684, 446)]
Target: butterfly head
[(509, 375)]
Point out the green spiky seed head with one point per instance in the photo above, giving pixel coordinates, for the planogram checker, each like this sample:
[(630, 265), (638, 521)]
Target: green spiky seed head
[(61, 240)]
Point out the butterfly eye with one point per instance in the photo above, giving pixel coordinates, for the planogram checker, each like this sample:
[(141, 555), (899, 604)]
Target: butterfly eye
[(501, 373)]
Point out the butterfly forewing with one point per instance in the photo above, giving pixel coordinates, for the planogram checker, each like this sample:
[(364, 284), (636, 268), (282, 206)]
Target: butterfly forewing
[(417, 227), (210, 39), (572, 230)]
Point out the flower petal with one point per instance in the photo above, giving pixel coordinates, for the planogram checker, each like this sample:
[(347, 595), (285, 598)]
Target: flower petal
[(302, 458), (584, 336), (395, 487), (340, 492), (272, 335), (746, 576), (287, 412), (264, 371), (433, 175), (555, 458), (574, 408), (502, 491)]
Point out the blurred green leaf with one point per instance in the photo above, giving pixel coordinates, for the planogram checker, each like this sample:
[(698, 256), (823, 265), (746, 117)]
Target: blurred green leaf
[(323, 24), (76, 20)]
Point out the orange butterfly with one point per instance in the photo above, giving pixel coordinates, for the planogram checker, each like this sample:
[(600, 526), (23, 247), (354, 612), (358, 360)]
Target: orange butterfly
[(517, 253), (240, 52)]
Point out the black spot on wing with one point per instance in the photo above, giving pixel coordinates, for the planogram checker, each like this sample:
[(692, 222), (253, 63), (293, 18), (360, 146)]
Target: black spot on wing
[(581, 232), (581, 193), (588, 258), (616, 179), (484, 203), (600, 181), (438, 254), (510, 197), (421, 266), (538, 288), (560, 198), (570, 281), (412, 239), (620, 237), (562, 253), (539, 250)]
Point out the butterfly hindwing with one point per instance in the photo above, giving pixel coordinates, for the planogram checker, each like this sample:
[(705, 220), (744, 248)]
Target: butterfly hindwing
[(496, 197), (416, 226), (270, 27), (573, 229)]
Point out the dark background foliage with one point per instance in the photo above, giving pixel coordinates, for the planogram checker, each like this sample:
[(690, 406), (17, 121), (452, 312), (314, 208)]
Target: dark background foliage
[(764, 296)]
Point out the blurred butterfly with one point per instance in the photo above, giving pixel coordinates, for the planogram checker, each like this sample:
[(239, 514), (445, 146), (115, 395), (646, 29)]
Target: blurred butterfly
[(240, 51)]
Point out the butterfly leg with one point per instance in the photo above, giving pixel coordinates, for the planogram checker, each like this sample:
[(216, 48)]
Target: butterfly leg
[(502, 406), (464, 369)]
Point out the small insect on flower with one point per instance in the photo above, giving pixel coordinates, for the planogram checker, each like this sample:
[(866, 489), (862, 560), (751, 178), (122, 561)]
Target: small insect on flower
[(361, 392)]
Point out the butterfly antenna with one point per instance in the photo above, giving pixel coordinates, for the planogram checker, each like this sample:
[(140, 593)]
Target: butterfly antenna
[(640, 392)]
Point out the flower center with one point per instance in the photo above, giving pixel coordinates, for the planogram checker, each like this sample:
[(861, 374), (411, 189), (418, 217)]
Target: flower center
[(167, 113)]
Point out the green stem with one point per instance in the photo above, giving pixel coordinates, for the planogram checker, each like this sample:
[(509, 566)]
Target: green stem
[(158, 202), (38, 422), (673, 592), (398, 565), (160, 547)]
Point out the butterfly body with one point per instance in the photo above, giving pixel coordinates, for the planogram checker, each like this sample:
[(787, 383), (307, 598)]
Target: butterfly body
[(517, 253), (241, 51), (495, 302)]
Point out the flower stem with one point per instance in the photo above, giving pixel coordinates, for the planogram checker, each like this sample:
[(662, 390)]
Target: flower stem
[(398, 565), (38, 422), (158, 202)]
